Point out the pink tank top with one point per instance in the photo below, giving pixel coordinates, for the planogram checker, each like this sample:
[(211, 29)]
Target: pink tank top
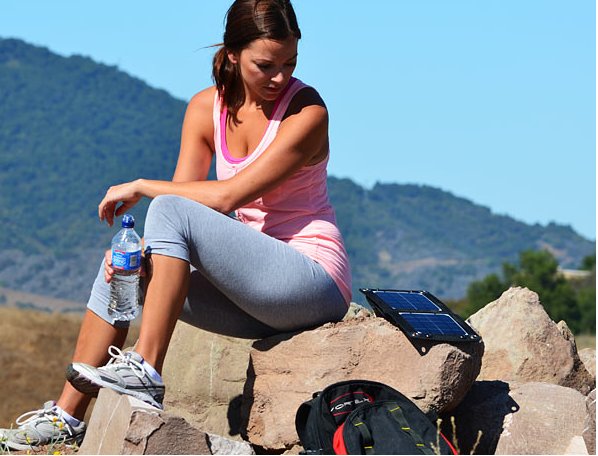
[(298, 211)]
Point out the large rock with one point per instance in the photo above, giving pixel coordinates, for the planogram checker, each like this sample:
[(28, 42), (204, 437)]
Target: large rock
[(286, 370), (589, 429), (548, 418), (588, 358), (523, 344), (204, 375), (517, 418), (124, 425)]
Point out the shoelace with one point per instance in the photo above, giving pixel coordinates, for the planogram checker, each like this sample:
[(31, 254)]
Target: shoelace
[(45, 414), (120, 357)]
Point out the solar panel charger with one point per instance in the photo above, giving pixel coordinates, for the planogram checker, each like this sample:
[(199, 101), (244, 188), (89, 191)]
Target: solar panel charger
[(420, 315)]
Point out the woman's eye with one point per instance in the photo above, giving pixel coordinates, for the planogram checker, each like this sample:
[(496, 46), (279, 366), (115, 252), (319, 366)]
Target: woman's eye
[(264, 66), (291, 64)]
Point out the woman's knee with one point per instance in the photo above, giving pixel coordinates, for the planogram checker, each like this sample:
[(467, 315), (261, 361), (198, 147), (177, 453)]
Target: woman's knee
[(165, 213), (164, 205)]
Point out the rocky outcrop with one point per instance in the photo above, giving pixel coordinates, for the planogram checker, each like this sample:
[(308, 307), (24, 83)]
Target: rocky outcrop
[(523, 344), (547, 419), (125, 425), (588, 358), (517, 418), (526, 399), (589, 429), (205, 374), (286, 370)]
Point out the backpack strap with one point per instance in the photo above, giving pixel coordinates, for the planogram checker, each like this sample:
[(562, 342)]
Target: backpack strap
[(396, 412), (367, 442)]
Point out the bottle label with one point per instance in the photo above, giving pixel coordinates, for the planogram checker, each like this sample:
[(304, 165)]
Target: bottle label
[(127, 261)]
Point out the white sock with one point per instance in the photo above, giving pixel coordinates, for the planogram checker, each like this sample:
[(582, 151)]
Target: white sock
[(71, 420), (151, 371)]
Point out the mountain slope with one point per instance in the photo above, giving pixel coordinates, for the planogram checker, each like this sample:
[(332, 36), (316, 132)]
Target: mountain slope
[(411, 236), (70, 128)]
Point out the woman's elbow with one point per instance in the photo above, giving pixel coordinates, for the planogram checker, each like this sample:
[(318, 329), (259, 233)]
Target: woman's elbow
[(226, 208), (225, 201)]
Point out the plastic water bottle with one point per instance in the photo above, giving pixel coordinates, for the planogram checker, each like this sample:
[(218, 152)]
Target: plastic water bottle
[(126, 262)]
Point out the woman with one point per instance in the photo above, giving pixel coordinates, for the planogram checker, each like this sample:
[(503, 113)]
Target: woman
[(279, 266)]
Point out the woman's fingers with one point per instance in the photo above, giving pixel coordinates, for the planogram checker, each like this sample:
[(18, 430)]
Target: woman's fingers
[(123, 193), (108, 271), (106, 211)]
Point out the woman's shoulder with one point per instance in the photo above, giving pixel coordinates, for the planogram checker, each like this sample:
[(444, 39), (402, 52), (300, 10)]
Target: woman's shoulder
[(200, 111), (203, 100)]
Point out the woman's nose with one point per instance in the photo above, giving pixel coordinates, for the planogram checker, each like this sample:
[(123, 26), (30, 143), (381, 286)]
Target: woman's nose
[(278, 77)]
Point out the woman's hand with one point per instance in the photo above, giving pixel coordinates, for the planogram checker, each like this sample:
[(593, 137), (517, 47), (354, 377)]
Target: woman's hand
[(128, 194), (109, 270)]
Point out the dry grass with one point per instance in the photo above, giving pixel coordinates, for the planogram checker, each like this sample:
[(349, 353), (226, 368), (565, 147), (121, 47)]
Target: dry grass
[(35, 348), (585, 341)]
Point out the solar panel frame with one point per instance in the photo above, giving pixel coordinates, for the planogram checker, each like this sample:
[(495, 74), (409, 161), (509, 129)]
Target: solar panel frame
[(435, 313)]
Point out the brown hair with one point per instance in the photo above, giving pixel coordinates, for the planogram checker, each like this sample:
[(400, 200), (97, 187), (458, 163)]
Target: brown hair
[(246, 21)]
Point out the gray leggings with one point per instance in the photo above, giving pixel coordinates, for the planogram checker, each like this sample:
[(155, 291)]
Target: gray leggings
[(243, 283)]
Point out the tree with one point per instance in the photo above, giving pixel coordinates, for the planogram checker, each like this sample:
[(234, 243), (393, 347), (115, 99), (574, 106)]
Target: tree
[(588, 263), (586, 295), (482, 292), (538, 271)]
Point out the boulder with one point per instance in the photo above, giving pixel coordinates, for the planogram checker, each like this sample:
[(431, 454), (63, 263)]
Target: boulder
[(286, 370), (124, 425), (548, 418), (204, 375), (588, 358), (523, 344), (589, 429), (517, 418)]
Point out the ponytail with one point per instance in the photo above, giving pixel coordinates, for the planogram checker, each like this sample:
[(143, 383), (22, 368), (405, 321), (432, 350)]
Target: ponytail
[(228, 82)]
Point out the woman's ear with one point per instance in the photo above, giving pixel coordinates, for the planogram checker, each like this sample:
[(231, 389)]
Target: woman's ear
[(233, 57)]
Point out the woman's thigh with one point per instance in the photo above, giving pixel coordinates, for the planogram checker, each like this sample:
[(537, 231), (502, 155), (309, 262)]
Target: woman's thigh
[(242, 274)]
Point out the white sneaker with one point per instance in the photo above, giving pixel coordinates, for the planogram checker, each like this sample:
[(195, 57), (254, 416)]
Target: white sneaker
[(124, 374), (45, 426)]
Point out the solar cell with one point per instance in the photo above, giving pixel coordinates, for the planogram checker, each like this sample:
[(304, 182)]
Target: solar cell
[(419, 314), (429, 323), (401, 300)]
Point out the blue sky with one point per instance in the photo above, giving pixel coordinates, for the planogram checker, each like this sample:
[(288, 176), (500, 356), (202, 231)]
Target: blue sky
[(491, 100)]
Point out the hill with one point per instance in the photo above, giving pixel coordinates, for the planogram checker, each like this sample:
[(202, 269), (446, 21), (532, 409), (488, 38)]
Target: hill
[(413, 236), (71, 127)]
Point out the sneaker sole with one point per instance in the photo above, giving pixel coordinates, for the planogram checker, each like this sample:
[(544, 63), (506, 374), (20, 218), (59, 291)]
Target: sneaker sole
[(81, 383), (5, 446), (92, 386)]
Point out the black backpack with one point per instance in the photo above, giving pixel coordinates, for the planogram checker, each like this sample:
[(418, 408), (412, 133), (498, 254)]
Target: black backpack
[(365, 417)]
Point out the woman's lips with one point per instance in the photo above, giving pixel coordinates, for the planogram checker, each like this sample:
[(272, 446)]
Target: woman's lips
[(273, 89)]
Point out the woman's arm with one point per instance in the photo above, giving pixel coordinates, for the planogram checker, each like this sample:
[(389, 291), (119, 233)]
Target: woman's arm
[(301, 138)]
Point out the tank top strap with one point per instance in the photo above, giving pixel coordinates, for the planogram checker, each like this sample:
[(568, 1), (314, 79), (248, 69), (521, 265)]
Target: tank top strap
[(282, 104), (295, 85), (216, 117)]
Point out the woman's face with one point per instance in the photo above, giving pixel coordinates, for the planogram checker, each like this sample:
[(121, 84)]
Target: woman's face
[(266, 67)]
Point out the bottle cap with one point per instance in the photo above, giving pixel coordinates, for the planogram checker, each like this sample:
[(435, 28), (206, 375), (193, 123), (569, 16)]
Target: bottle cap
[(128, 221)]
